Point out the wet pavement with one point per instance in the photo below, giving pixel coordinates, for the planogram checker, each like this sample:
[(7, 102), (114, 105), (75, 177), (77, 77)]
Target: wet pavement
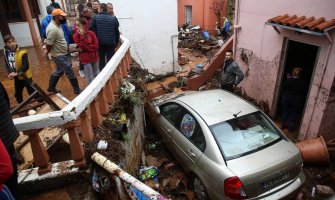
[(42, 68)]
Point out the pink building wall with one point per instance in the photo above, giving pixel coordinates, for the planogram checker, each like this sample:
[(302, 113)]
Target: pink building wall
[(202, 14), (265, 50)]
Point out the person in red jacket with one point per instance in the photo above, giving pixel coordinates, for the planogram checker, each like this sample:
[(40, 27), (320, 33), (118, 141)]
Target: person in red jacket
[(6, 171), (87, 44)]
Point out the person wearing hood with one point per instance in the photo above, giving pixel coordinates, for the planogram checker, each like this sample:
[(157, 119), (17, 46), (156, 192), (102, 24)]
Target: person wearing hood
[(17, 65), (45, 22), (87, 44)]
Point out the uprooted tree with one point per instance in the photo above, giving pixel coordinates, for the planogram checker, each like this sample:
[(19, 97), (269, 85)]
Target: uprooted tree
[(217, 7)]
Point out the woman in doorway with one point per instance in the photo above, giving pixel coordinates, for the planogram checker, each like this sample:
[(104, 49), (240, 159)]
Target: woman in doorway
[(294, 90), (87, 44)]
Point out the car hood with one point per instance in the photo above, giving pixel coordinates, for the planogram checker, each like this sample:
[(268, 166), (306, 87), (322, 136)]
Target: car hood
[(268, 168)]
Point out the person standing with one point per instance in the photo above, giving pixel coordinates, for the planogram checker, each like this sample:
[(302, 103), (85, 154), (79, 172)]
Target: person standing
[(106, 28), (225, 28), (55, 4), (47, 19), (17, 64), (6, 171), (95, 8), (81, 6), (57, 47), (8, 135), (110, 9), (87, 14), (294, 92), (87, 44), (231, 74)]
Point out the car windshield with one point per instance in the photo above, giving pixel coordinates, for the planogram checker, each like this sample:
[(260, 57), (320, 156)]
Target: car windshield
[(243, 135)]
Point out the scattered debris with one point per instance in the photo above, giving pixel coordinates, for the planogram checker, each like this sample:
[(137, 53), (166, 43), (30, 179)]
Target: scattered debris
[(102, 145), (324, 191)]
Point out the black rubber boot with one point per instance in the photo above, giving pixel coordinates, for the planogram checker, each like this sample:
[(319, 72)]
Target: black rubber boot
[(52, 84), (74, 83)]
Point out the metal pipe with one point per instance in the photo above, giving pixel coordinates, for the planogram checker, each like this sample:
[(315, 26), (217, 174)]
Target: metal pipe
[(115, 169), (173, 59), (237, 11)]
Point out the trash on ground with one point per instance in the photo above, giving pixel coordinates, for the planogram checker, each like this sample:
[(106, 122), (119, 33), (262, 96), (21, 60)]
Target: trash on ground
[(102, 145), (100, 184), (324, 190), (146, 173)]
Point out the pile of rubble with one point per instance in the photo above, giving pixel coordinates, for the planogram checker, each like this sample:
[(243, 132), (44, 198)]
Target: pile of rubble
[(197, 39)]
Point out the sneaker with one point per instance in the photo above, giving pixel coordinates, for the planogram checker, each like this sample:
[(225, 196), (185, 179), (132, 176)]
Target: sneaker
[(82, 73)]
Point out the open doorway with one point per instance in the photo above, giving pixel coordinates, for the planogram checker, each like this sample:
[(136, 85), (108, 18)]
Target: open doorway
[(301, 55), (188, 14)]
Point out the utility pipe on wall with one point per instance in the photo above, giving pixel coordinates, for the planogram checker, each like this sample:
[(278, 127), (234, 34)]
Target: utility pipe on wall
[(237, 12)]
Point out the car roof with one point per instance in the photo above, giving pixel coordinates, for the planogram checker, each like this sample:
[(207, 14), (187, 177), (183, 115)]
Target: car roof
[(215, 106)]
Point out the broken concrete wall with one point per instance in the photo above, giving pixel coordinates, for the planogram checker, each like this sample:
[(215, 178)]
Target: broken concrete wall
[(134, 144), (260, 51), (152, 28), (328, 125)]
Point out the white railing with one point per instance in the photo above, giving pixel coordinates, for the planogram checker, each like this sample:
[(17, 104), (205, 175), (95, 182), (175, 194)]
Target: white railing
[(72, 111)]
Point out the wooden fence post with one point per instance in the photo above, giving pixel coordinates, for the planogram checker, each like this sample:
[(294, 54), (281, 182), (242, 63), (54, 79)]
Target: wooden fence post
[(103, 105), (109, 92), (41, 156), (96, 117), (86, 127), (77, 151)]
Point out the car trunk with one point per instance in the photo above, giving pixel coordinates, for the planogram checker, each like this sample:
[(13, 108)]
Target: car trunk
[(268, 168)]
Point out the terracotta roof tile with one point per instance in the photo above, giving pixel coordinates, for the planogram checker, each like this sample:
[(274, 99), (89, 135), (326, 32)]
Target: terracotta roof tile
[(302, 22)]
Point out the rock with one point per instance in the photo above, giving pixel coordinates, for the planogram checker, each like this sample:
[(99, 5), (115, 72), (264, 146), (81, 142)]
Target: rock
[(325, 191)]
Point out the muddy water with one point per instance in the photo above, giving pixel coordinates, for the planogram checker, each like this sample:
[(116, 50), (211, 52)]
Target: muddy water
[(42, 67)]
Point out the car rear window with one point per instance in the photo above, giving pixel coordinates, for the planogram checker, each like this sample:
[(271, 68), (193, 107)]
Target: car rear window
[(243, 135)]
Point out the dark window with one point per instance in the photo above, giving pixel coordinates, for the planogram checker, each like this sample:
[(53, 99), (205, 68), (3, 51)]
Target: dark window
[(185, 123)]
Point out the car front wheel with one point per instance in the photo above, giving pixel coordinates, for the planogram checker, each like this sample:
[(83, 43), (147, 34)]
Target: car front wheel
[(199, 189)]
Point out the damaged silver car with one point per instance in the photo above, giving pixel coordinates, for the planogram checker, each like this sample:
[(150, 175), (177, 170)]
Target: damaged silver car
[(230, 148)]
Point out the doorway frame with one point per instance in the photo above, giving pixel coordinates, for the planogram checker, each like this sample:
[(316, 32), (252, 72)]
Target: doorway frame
[(188, 8), (280, 74)]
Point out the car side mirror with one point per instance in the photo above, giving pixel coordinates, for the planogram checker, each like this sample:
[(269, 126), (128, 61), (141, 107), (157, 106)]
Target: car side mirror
[(157, 110)]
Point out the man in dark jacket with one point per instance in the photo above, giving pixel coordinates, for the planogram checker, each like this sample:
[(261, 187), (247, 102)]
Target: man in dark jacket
[(231, 73), (8, 135), (106, 28)]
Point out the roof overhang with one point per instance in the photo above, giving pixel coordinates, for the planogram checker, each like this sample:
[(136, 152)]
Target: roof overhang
[(274, 25)]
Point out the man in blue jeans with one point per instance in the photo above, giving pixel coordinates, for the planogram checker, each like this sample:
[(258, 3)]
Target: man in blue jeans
[(106, 28), (57, 47)]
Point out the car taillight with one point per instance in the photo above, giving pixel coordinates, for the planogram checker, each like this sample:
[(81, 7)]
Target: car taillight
[(233, 188)]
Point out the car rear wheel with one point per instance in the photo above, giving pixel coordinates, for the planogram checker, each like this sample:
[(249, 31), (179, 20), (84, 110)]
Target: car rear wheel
[(199, 189)]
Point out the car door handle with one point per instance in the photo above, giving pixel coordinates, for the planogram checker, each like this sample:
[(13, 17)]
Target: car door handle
[(167, 129), (190, 152)]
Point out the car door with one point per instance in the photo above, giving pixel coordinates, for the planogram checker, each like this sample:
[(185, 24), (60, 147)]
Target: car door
[(187, 137), (167, 122)]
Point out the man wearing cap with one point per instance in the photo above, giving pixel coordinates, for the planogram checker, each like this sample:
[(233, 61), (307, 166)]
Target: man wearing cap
[(45, 22), (57, 47)]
